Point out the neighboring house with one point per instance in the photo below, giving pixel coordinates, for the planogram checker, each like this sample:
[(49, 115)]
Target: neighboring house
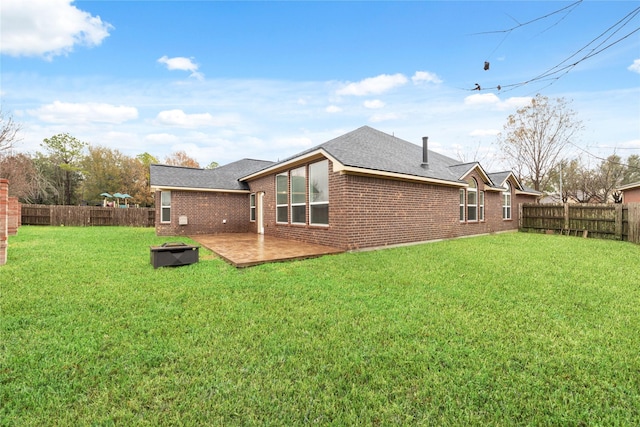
[(363, 189), (630, 193)]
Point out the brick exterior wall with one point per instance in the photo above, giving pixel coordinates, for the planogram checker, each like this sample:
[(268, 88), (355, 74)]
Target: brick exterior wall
[(15, 216), (4, 220), (205, 212), (363, 212), (370, 212), (631, 196)]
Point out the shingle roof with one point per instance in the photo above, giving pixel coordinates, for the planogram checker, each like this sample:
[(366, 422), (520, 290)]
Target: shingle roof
[(221, 178), (372, 149)]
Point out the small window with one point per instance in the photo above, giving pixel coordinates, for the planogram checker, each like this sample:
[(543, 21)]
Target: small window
[(506, 202), (299, 196), (252, 207), (319, 193), (165, 206), (462, 205), (282, 198), (481, 205), (472, 201)]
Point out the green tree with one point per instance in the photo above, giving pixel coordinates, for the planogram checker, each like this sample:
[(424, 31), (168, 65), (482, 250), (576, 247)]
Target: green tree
[(65, 151), (535, 137), (631, 172), (212, 165)]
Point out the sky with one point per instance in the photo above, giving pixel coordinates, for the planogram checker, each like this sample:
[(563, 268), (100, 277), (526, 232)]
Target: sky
[(265, 80)]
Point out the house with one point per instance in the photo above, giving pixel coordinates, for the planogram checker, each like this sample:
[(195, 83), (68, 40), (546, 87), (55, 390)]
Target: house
[(362, 189), (630, 193)]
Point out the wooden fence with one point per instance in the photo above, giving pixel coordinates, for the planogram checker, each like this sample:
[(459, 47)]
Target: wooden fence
[(604, 221), (87, 216)]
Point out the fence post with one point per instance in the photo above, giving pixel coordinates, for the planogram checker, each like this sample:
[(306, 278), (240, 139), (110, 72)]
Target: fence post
[(618, 214), (566, 216)]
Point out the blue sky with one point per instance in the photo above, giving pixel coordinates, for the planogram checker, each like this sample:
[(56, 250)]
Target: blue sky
[(229, 80)]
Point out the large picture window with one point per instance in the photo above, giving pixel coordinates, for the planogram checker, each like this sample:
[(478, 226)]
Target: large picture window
[(506, 202), (165, 206), (319, 193), (282, 198), (299, 196), (472, 201)]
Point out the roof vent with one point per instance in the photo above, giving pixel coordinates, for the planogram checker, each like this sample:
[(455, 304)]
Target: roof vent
[(425, 151)]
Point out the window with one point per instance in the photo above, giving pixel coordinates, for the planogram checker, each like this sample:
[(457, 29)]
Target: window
[(506, 202), (319, 193), (282, 198), (472, 201), (299, 196), (165, 206), (461, 205), (252, 207), (481, 205)]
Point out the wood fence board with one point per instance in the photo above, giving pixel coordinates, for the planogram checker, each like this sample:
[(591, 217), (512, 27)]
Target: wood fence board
[(87, 216), (607, 221)]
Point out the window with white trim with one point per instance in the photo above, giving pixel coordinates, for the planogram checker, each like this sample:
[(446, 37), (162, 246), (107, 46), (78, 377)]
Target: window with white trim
[(506, 201), (462, 205), (481, 205), (299, 196), (319, 193), (165, 206), (252, 207), (472, 200), (282, 198)]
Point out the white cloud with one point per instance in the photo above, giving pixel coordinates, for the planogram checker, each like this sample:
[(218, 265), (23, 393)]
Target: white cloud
[(373, 85), (425, 77), (47, 28), (373, 104), (491, 99), (482, 99), (181, 119), (183, 64), (333, 109), (161, 138), (484, 132), (75, 113), (383, 117), (635, 67)]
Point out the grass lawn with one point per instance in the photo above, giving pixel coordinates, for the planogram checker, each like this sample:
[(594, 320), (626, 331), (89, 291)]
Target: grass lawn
[(510, 329)]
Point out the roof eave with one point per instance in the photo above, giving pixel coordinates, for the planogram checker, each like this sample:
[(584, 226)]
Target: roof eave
[(208, 190)]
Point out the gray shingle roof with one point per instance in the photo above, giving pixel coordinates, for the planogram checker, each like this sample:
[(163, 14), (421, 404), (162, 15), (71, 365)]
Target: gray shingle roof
[(221, 178), (372, 149)]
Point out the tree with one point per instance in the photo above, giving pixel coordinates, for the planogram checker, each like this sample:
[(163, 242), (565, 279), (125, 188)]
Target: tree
[(180, 158), (8, 131), (146, 160), (66, 152), (21, 172), (534, 138), (632, 171), (212, 165), (608, 177)]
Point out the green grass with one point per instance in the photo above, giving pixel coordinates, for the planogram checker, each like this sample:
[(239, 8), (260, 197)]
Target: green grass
[(511, 329)]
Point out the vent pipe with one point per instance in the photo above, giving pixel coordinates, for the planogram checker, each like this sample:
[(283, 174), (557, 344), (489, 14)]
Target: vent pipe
[(425, 151)]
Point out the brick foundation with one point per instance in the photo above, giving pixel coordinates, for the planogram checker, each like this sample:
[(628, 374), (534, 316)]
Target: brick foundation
[(14, 212)]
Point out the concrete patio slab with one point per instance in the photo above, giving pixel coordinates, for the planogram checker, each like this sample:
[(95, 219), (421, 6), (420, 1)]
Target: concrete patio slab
[(247, 249)]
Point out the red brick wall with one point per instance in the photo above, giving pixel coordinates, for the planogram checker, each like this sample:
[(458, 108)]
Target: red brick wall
[(4, 219), (205, 212), (14, 216), (369, 212), (631, 196), (363, 212)]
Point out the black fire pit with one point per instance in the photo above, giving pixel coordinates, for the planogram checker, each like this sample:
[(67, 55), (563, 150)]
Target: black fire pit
[(174, 254)]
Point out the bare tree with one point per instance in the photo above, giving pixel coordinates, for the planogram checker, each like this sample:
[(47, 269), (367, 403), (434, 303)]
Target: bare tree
[(181, 158), (534, 138), (8, 131)]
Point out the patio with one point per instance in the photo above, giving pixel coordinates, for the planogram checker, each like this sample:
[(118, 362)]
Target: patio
[(247, 249)]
